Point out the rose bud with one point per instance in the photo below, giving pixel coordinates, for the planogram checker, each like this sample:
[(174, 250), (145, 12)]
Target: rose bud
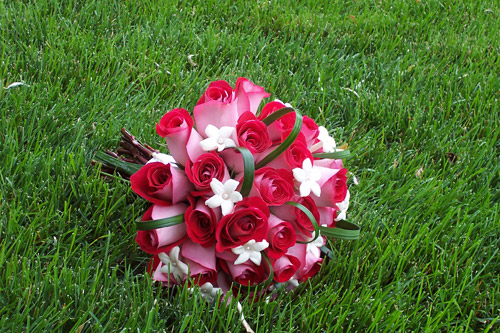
[(162, 239), (161, 184), (206, 167), (176, 126), (280, 235), (200, 221), (274, 186), (248, 221)]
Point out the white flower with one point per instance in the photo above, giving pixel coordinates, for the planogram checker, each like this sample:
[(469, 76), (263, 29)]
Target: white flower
[(160, 157), (251, 250), (343, 206), (308, 176), (293, 282), (225, 195), (326, 140), (217, 138), (173, 265), (313, 246), (208, 291)]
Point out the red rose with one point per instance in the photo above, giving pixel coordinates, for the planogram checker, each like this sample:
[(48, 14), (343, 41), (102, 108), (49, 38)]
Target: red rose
[(206, 167), (252, 133), (247, 273), (302, 224), (162, 239), (297, 152), (200, 222), (160, 183), (285, 267), (248, 221), (275, 186), (280, 235), (176, 126)]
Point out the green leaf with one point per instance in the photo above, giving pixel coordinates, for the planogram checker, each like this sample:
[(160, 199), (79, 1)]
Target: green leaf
[(310, 216), (336, 155), (125, 167), (161, 223), (248, 172), (342, 230), (290, 138), (327, 251)]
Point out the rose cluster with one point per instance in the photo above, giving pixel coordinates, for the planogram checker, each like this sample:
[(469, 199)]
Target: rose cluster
[(219, 234)]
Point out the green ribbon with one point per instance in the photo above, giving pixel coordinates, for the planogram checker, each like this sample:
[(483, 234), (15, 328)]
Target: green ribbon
[(341, 154), (160, 223), (311, 218), (248, 171), (342, 230), (289, 139)]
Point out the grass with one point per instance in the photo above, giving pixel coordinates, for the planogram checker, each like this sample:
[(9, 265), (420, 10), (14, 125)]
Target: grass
[(412, 86)]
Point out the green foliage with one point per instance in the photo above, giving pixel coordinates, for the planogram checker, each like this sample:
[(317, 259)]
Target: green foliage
[(412, 86)]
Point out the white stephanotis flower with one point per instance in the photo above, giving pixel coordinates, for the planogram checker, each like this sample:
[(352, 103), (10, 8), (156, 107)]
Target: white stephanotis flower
[(225, 195), (218, 138), (343, 206), (173, 265), (316, 244), (293, 282), (208, 291), (160, 157), (308, 176), (250, 250), (328, 143)]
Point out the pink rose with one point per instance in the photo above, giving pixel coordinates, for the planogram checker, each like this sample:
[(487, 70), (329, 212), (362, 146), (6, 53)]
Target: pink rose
[(162, 239), (220, 105), (200, 221), (285, 267), (310, 261), (206, 167), (327, 216), (201, 261), (333, 187), (176, 126), (274, 186), (280, 236), (248, 221), (252, 133), (163, 184), (254, 93)]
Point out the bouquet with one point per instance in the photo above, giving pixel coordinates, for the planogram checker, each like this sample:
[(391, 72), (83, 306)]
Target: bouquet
[(243, 198)]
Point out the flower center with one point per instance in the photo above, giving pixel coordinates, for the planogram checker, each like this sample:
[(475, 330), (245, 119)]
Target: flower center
[(308, 177), (247, 248), (225, 196), (174, 264), (220, 141)]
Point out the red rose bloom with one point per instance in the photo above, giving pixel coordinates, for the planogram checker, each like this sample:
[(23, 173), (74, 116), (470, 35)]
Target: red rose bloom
[(156, 181), (248, 221), (275, 186), (252, 133), (206, 167), (280, 235), (285, 267), (200, 222), (297, 152)]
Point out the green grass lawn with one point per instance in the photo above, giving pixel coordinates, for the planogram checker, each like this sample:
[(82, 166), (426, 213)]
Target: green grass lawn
[(412, 86)]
